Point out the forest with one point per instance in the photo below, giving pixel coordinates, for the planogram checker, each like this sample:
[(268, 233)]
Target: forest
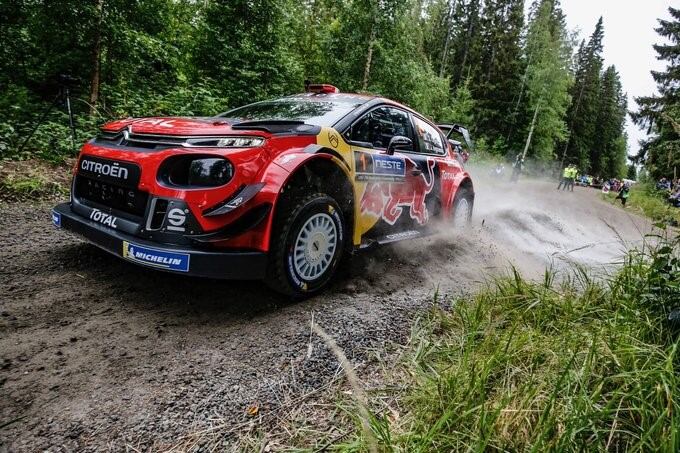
[(482, 63)]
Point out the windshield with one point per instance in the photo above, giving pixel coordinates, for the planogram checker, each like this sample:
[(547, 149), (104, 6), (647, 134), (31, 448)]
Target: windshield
[(316, 112)]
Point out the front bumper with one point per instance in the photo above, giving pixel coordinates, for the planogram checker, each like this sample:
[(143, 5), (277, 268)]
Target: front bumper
[(173, 258)]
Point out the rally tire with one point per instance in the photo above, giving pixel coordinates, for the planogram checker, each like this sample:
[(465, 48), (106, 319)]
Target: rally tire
[(463, 204), (300, 265)]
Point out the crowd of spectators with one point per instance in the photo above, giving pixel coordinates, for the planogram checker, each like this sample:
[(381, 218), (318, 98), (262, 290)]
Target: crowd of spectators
[(612, 184), (670, 189)]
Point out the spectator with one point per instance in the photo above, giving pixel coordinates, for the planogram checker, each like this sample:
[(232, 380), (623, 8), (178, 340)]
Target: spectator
[(572, 177), (517, 168), (623, 195), (564, 182), (674, 197), (663, 185)]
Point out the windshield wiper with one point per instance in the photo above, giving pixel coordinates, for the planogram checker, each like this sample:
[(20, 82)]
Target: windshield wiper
[(273, 126), (271, 121)]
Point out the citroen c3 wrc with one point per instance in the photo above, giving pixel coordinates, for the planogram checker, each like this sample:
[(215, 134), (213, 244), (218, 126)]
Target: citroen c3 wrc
[(279, 190)]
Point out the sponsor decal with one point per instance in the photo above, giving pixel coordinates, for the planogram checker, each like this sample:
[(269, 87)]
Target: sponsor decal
[(157, 122), (336, 216), (103, 218), (379, 167), (113, 169), (333, 139), (387, 200), (162, 259), (235, 203), (293, 274), (56, 219), (121, 173), (176, 218), (389, 165)]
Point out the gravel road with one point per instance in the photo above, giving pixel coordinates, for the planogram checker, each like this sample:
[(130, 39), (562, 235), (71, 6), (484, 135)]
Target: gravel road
[(99, 354)]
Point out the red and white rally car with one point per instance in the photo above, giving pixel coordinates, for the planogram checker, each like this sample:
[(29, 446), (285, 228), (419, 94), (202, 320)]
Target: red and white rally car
[(278, 190)]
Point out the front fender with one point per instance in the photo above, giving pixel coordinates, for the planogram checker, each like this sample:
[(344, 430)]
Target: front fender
[(287, 165)]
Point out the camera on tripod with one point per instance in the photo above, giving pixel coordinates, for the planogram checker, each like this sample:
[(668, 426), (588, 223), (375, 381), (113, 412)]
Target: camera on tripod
[(66, 82)]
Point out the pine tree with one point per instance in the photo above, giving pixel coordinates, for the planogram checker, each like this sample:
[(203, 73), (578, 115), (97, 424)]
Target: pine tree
[(499, 78), (379, 48), (548, 79), (464, 60), (661, 114), (583, 111), (608, 156), (244, 45)]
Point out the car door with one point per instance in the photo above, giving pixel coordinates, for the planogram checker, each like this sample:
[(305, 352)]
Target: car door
[(433, 172), (381, 178)]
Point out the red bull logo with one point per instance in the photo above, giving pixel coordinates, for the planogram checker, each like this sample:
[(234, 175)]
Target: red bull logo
[(387, 200)]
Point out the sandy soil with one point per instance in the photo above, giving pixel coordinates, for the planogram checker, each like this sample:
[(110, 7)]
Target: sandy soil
[(99, 354)]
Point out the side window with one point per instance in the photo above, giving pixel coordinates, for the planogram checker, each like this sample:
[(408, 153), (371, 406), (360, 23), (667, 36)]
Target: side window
[(378, 127), (429, 138)]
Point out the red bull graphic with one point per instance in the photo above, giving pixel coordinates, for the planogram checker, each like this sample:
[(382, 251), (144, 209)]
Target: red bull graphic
[(387, 200)]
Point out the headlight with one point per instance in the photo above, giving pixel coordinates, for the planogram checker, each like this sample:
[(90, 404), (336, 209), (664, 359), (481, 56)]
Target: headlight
[(189, 171), (224, 142)]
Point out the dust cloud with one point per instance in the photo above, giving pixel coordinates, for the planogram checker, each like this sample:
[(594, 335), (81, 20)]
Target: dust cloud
[(529, 225)]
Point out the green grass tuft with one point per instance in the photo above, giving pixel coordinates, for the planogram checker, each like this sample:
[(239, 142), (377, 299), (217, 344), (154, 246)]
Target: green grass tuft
[(572, 365)]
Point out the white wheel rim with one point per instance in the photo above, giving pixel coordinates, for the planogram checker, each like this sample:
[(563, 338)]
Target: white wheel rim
[(315, 246), (462, 213)]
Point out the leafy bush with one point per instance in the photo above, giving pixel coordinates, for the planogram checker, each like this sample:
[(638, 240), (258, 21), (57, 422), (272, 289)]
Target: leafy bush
[(51, 140)]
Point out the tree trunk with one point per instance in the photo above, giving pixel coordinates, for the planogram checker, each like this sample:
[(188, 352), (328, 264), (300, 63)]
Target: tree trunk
[(96, 59), (369, 57), (531, 130), (449, 26)]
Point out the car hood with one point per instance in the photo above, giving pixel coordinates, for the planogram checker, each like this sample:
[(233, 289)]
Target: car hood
[(172, 126)]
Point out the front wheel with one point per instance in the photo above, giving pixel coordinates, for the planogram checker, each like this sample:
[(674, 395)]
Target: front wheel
[(306, 245)]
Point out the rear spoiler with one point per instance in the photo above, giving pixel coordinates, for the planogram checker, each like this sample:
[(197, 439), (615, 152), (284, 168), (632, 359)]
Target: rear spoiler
[(453, 130)]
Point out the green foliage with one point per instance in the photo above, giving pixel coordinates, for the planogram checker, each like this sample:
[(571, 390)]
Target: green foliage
[(571, 363), (660, 114), (583, 111), (610, 139), (472, 62), (462, 106), (548, 77), (32, 179), (243, 43)]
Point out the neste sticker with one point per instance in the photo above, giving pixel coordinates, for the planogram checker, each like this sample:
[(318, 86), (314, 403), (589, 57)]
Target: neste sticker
[(156, 258)]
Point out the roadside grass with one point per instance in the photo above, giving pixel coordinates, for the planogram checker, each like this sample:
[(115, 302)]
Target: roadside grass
[(565, 364), (646, 200), (33, 179)]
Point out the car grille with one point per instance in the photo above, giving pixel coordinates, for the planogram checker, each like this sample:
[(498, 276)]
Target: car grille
[(127, 200), (148, 141)]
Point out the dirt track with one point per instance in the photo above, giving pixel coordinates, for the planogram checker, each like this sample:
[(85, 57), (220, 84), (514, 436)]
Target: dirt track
[(99, 354)]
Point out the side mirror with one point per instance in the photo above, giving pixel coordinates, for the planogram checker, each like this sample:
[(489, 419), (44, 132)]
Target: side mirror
[(399, 142)]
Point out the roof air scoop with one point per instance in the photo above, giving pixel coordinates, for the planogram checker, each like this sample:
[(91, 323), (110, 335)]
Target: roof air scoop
[(320, 88)]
